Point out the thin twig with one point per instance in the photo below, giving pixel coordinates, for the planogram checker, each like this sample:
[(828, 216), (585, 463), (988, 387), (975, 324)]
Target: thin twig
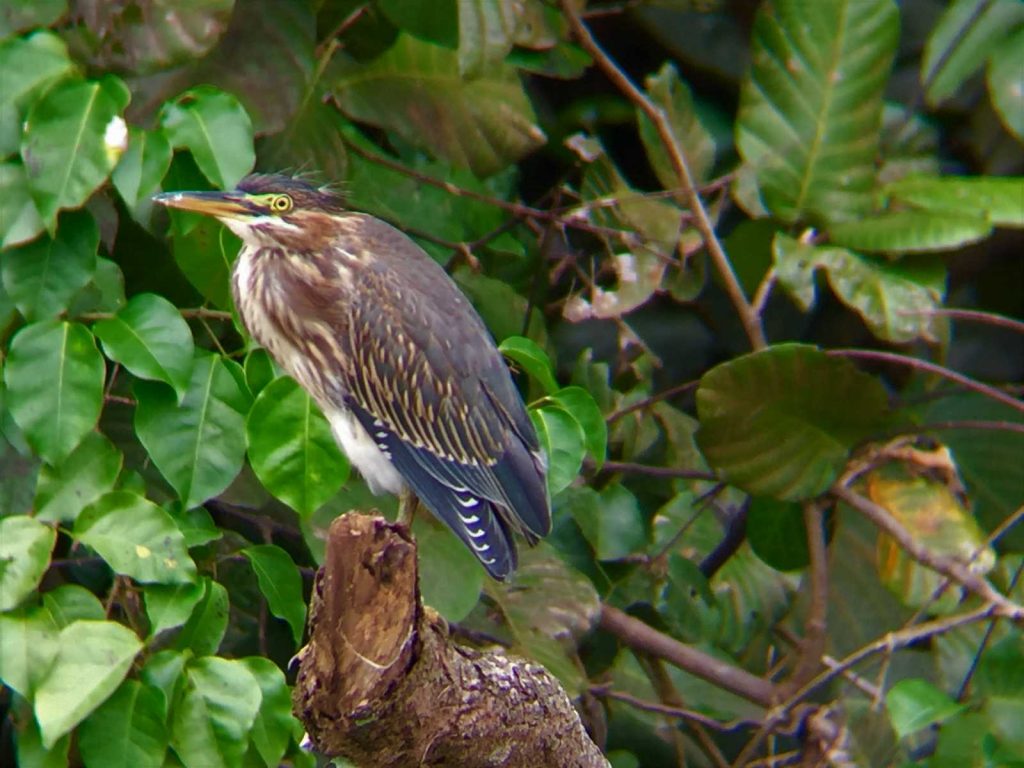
[(952, 569), (812, 646), (642, 637), (604, 692), (629, 467), (648, 401), (677, 156), (954, 425), (939, 370), (973, 315)]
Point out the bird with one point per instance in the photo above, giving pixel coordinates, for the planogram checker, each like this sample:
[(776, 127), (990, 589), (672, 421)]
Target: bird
[(416, 393)]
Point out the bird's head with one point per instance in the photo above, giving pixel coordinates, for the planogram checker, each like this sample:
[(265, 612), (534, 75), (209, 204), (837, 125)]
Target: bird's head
[(267, 209)]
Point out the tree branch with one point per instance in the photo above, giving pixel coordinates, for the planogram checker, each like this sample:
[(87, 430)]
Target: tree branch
[(382, 683), (952, 569), (688, 195), (642, 637)]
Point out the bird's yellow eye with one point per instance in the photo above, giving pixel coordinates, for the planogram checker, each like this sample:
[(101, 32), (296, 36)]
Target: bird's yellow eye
[(281, 203)]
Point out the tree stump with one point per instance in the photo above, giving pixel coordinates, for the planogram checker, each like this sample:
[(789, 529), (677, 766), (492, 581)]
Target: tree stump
[(382, 683)]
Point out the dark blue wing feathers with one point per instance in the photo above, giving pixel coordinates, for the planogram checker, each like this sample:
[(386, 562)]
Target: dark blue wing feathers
[(472, 516)]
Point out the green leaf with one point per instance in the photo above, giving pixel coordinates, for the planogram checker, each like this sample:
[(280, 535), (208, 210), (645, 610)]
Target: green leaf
[(69, 603), (28, 646), (29, 65), (610, 521), (1006, 83), (579, 403), (291, 447), (895, 298), (686, 600), (93, 659), (782, 422), (961, 41), (73, 137), (90, 470), (911, 232), (486, 30), (415, 89), (205, 628), (136, 538), (996, 198), (260, 370), (437, 22), (171, 605), (673, 97), (532, 359), (199, 445), (776, 532), (214, 714), (562, 439), (142, 167), (43, 276), (19, 219), (914, 704), (151, 339), (281, 584), (25, 546), (216, 129), (450, 576), (31, 751), (274, 724), (811, 109), (128, 730), (54, 379)]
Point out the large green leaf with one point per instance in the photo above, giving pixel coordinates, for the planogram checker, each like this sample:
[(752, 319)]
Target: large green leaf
[(1006, 83), (25, 546), (489, 28), (998, 199), (563, 441), (527, 354), (93, 659), (281, 584), (579, 403), (291, 447), (212, 719), (894, 298), (66, 488), (450, 576), (914, 704), (149, 337), (43, 276), (28, 646), (54, 378), (136, 538), (216, 129), (274, 724), (73, 137), (782, 422), (171, 605), (911, 232), (964, 37), (19, 219), (673, 97), (205, 628), (128, 730), (811, 109), (610, 520), (415, 89), (199, 445), (30, 64), (142, 167)]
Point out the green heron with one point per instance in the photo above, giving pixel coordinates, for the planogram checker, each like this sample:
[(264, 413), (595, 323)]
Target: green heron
[(417, 395)]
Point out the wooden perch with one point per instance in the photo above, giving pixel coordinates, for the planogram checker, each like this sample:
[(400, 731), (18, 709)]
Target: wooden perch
[(382, 683)]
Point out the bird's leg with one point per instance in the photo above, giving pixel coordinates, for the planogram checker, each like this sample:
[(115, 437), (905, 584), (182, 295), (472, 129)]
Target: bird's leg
[(407, 503)]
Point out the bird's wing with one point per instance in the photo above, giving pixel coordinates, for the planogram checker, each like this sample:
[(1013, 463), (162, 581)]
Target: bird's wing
[(425, 379)]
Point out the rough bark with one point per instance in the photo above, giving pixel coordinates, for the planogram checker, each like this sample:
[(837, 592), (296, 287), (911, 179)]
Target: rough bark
[(381, 683)]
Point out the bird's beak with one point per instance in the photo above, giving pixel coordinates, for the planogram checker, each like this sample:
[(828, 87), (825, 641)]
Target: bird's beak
[(227, 205)]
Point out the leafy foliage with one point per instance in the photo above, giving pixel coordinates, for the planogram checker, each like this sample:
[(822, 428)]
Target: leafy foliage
[(164, 489)]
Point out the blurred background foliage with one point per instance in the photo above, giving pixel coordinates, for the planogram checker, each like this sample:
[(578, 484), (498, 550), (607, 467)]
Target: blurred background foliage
[(164, 492)]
